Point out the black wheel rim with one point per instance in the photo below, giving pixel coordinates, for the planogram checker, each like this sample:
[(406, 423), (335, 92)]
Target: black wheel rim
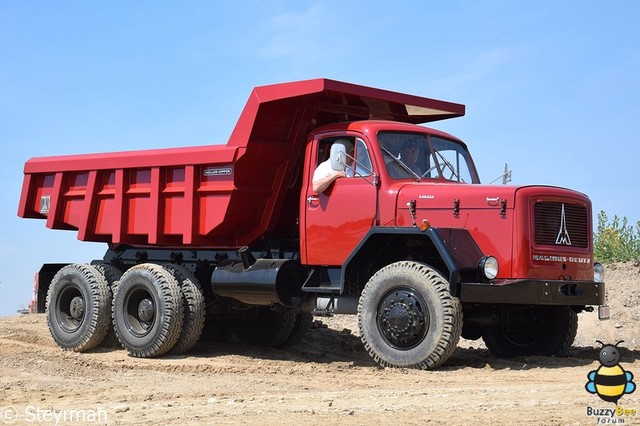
[(70, 308), (403, 318), (139, 311)]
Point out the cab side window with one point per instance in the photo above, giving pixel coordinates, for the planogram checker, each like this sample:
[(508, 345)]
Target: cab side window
[(362, 165), (363, 159), (324, 148)]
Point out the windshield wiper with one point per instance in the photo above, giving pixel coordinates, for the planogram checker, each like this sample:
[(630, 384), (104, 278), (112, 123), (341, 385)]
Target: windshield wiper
[(401, 163), (450, 167)]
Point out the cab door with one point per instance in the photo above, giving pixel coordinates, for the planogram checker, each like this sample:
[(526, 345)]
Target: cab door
[(334, 221)]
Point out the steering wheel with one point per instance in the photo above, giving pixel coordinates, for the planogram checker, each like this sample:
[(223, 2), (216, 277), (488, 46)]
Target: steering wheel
[(437, 165)]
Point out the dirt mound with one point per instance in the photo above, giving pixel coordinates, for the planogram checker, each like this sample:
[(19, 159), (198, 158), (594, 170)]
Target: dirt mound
[(327, 378), (623, 297)]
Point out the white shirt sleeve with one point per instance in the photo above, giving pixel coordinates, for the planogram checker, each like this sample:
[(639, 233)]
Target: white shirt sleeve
[(323, 170)]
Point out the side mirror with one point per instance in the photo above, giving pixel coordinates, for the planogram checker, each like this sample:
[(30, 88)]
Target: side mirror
[(338, 156)]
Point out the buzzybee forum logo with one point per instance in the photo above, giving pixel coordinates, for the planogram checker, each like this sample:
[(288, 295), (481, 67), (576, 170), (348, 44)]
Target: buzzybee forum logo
[(610, 382)]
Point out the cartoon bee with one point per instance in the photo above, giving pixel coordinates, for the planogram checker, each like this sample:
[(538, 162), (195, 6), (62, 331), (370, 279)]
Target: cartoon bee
[(610, 381)]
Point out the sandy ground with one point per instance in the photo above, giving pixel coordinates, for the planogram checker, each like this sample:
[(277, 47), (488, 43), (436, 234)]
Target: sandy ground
[(329, 378)]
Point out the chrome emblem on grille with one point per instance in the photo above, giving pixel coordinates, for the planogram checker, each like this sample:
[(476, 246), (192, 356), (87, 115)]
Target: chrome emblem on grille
[(563, 234)]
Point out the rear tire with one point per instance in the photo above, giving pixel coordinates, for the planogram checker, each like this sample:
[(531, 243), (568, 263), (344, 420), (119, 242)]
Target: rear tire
[(112, 275), (301, 326), (267, 328), (408, 318), (194, 308), (148, 311), (78, 303), (534, 330)]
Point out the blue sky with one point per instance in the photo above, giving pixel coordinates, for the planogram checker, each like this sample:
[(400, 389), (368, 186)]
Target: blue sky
[(551, 88)]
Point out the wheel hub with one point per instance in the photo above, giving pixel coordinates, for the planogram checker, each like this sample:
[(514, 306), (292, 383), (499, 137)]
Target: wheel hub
[(146, 310), (76, 307), (400, 317), (403, 318), (70, 308)]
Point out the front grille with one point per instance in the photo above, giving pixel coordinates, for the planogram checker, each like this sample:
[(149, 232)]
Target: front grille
[(561, 224)]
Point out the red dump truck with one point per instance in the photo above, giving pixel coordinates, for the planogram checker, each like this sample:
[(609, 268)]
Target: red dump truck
[(235, 237)]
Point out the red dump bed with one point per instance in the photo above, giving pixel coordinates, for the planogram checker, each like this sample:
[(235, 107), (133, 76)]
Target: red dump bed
[(217, 196)]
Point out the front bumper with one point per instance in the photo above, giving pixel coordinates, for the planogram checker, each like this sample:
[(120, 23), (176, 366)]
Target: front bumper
[(535, 292)]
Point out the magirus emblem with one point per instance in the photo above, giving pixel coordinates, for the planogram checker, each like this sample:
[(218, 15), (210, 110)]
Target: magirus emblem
[(563, 235)]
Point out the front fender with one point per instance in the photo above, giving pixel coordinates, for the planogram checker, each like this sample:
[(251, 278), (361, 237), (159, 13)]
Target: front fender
[(451, 251)]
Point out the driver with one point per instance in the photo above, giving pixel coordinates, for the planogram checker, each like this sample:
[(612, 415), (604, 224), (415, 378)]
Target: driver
[(324, 175), (409, 156)]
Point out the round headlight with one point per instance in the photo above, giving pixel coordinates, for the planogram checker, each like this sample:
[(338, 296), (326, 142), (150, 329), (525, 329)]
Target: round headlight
[(598, 272), (489, 267)]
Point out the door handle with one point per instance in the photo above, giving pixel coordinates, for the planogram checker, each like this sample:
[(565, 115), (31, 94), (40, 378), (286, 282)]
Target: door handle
[(312, 198)]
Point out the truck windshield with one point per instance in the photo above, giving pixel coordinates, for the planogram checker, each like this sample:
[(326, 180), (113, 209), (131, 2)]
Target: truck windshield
[(421, 156)]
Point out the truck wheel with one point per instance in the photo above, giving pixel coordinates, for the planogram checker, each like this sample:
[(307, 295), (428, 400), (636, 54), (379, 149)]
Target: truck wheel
[(534, 330), (301, 326), (194, 308), (408, 318), (78, 307), (267, 328), (147, 311), (218, 331), (112, 275)]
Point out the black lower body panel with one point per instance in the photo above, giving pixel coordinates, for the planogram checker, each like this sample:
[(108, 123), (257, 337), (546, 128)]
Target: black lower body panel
[(535, 292)]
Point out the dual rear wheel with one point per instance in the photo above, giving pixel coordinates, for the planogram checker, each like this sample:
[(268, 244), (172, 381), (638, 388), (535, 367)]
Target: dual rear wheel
[(79, 307), (152, 309)]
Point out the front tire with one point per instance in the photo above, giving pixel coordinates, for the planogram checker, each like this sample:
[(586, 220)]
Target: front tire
[(408, 318), (148, 311), (533, 330), (78, 304)]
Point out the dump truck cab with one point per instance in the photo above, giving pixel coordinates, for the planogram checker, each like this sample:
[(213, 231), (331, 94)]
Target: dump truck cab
[(342, 215)]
